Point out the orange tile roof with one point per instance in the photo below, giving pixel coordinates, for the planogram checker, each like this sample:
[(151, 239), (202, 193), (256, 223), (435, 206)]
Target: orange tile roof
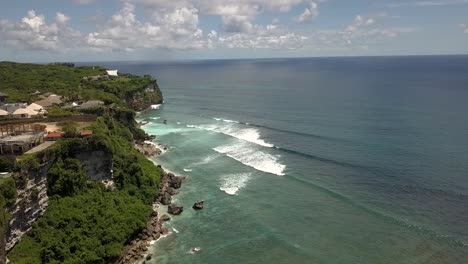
[(55, 134), (86, 133)]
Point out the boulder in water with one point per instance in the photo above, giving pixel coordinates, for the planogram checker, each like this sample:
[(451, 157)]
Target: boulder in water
[(198, 205), (174, 209), (165, 218)]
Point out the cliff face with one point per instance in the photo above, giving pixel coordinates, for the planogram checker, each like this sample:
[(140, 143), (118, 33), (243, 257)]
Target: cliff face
[(32, 199), (31, 202), (144, 99)]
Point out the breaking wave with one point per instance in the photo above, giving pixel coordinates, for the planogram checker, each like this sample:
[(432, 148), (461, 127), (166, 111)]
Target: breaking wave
[(226, 120), (247, 134), (232, 183), (251, 157)]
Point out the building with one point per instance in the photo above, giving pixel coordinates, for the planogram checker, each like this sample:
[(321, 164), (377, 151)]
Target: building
[(4, 113), (53, 136), (20, 143), (112, 72), (86, 133), (10, 108), (90, 105), (50, 101)]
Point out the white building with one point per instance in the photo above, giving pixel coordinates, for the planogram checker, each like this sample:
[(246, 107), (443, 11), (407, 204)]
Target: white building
[(112, 72)]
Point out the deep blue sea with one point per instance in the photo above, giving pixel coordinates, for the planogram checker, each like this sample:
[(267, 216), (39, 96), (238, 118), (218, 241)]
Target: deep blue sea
[(320, 160)]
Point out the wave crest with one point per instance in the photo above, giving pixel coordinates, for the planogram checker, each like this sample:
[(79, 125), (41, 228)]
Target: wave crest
[(226, 120), (232, 183), (247, 134), (251, 157)]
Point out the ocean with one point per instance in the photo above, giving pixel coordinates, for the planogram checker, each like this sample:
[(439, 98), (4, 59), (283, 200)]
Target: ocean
[(314, 160)]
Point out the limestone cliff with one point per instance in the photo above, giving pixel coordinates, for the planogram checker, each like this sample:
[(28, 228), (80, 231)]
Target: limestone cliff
[(32, 199), (31, 202), (143, 99)]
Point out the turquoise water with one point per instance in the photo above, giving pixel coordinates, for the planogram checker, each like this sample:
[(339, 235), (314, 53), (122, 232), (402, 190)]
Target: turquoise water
[(338, 160)]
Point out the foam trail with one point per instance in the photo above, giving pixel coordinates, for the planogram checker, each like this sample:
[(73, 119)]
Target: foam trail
[(226, 120), (247, 134), (251, 157), (206, 160), (232, 183)]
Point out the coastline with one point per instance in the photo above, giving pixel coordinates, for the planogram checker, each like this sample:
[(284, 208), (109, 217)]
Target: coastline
[(137, 250)]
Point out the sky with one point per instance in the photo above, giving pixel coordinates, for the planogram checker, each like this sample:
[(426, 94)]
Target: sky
[(110, 30)]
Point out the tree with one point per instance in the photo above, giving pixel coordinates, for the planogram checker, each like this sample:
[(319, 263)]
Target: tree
[(69, 128), (66, 178)]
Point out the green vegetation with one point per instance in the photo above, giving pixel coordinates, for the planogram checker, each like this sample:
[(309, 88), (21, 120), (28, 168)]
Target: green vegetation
[(85, 222), (20, 81), (57, 112), (6, 164), (7, 197), (66, 178), (87, 228), (70, 128)]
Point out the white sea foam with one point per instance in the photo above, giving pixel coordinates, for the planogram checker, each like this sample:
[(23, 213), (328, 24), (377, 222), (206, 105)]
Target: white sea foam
[(249, 156), (156, 118), (187, 170), (155, 106), (247, 134), (232, 183), (205, 160), (145, 123), (226, 120)]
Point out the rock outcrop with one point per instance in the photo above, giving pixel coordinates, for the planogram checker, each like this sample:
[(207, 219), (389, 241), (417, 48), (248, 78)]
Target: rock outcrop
[(174, 209), (198, 205), (169, 184), (138, 247), (142, 100), (148, 149)]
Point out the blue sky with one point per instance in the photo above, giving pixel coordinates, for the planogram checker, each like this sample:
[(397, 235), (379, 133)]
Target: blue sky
[(98, 30)]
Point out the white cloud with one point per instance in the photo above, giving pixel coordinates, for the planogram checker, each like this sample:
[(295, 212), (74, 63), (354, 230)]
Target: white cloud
[(177, 29), (309, 13), (464, 27), (430, 3), (61, 19), (83, 2), (34, 33)]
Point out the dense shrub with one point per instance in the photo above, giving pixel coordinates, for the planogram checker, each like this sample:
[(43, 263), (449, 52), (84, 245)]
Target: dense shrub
[(66, 178)]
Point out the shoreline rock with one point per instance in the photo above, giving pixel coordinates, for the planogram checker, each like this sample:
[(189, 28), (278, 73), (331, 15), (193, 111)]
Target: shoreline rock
[(137, 248), (147, 149), (173, 209)]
